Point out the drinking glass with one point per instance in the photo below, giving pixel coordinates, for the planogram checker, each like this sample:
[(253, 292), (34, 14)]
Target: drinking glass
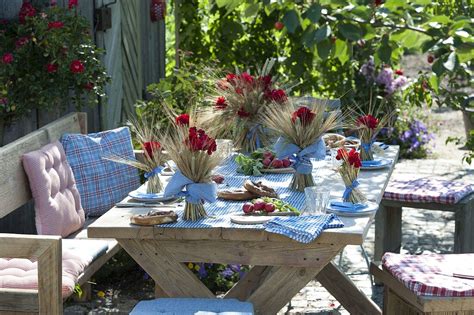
[(225, 146), (335, 163), (316, 199)]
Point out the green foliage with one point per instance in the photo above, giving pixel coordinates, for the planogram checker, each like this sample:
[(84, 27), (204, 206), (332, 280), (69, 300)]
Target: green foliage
[(43, 48)]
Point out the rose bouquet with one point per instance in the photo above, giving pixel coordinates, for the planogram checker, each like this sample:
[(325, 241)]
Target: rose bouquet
[(368, 128), (153, 160), (194, 153), (239, 102), (349, 170), (300, 130)]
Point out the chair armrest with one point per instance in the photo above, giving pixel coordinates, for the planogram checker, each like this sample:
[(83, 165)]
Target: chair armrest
[(48, 251)]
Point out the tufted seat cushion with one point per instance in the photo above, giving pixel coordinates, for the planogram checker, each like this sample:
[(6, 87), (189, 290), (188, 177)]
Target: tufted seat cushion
[(19, 273), (57, 202), (448, 275), (191, 306), (425, 190)]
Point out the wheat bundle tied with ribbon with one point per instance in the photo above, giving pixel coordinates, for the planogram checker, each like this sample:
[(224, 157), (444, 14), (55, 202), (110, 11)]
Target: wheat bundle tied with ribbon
[(300, 130), (349, 170)]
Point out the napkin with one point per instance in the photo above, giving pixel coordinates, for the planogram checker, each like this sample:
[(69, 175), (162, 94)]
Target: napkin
[(303, 229), (347, 206)]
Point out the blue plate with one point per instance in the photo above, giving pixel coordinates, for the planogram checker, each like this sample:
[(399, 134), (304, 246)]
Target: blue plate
[(141, 195), (376, 164), (347, 209)]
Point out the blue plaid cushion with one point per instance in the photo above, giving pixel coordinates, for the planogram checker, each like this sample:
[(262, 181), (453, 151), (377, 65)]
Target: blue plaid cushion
[(101, 183)]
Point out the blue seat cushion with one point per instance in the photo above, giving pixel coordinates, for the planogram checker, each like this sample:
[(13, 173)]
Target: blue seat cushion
[(192, 306)]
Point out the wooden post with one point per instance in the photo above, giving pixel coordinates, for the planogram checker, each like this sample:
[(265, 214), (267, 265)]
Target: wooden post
[(388, 231), (464, 227)]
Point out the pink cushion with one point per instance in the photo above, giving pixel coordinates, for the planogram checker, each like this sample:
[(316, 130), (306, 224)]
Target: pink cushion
[(20, 273), (450, 275), (57, 201), (425, 190)]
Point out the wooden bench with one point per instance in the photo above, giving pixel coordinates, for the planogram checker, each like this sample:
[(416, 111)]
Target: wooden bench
[(388, 224), (14, 193)]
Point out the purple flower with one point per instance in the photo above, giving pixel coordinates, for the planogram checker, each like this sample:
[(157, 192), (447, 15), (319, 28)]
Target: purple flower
[(202, 272), (227, 272), (385, 77), (399, 82), (368, 69)]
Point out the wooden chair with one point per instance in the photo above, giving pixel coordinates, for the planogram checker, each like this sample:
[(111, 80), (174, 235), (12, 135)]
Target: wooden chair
[(14, 193), (399, 299), (388, 220)]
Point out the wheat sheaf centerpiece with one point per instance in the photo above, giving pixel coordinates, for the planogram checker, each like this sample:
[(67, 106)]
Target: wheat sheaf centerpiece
[(349, 170), (239, 103), (153, 161), (195, 156), (300, 130)]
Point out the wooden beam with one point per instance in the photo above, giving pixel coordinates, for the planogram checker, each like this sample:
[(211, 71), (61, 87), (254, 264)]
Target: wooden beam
[(10, 299), (244, 288), (50, 280), (388, 231)]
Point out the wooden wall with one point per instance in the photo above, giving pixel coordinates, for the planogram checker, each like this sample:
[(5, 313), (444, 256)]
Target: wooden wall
[(146, 65)]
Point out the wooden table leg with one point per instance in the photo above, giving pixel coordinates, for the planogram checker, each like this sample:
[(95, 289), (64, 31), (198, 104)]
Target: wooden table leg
[(388, 231), (464, 229), (174, 278), (345, 291), (248, 284)]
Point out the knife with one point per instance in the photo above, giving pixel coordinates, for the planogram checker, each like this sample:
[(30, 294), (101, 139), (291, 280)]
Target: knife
[(143, 204)]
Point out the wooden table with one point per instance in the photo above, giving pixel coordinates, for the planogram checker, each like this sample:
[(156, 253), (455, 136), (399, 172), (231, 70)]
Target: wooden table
[(281, 266)]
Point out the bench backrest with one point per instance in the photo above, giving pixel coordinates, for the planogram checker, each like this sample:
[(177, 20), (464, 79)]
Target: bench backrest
[(14, 185)]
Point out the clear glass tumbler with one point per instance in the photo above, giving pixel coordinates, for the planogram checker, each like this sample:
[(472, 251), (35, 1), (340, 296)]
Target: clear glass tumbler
[(316, 199)]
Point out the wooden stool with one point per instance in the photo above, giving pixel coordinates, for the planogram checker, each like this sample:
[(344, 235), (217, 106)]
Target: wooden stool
[(425, 284), (429, 194)]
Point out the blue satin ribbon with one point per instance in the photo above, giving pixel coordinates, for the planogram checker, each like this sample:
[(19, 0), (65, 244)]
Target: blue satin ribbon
[(367, 145), (302, 157), (254, 131), (194, 193), (348, 190), (156, 171)]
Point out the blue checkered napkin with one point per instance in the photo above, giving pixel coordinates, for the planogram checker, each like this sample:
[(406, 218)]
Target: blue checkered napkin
[(303, 229), (101, 183)]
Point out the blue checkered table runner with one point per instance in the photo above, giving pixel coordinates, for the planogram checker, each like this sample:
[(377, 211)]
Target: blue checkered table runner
[(220, 211)]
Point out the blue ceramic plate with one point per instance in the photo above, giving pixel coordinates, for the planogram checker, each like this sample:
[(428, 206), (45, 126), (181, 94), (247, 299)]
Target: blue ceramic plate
[(346, 209), (376, 164), (141, 195)]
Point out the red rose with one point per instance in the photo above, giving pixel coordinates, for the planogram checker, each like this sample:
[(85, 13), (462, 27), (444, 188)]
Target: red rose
[(247, 78), (368, 120), (182, 120), (198, 140), (353, 158), (7, 58), (278, 96), (221, 103), (242, 113), (430, 58), (151, 147), (21, 41), (76, 66), (51, 67), (399, 72), (72, 4), (27, 10), (89, 86), (304, 114), (55, 25)]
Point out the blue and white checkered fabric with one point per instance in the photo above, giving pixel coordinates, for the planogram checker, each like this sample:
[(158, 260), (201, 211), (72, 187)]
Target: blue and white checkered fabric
[(101, 183), (304, 229), (220, 211)]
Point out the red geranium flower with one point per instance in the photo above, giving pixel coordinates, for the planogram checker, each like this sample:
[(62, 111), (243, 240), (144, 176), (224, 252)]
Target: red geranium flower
[(304, 114), (278, 96), (182, 120), (7, 58), (72, 4), (27, 10), (368, 120), (51, 67), (21, 41), (399, 72), (150, 147), (354, 158), (198, 140), (89, 86), (242, 113), (231, 78), (266, 81), (55, 25), (76, 66), (221, 102), (247, 78)]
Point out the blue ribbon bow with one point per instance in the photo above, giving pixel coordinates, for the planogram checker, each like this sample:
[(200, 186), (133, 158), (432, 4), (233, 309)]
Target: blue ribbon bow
[(156, 171), (194, 193), (254, 131), (348, 190), (367, 145), (302, 157)]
